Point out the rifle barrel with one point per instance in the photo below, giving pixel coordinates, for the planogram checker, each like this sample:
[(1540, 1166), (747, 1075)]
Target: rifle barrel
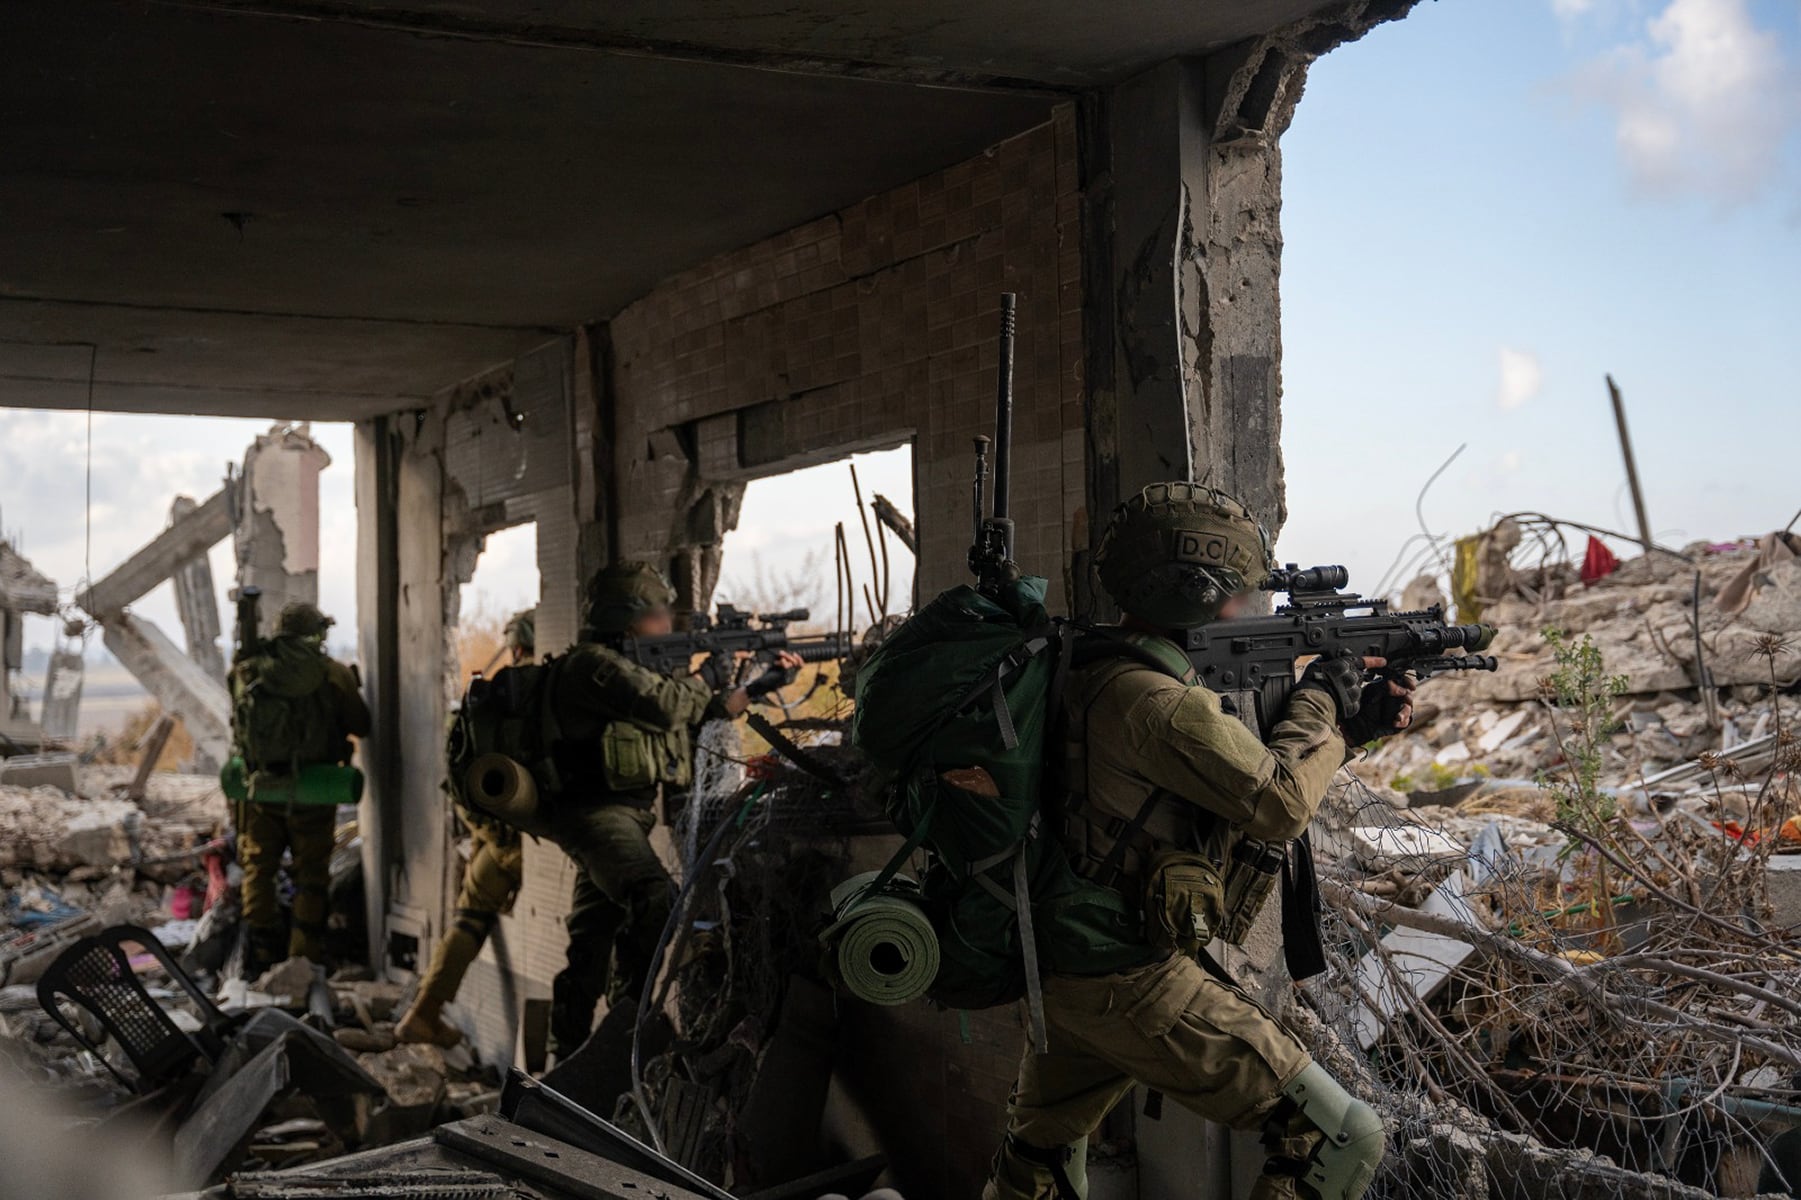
[(1003, 409)]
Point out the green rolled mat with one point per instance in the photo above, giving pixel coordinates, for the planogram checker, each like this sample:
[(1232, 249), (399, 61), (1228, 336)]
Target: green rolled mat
[(316, 784), (886, 952)]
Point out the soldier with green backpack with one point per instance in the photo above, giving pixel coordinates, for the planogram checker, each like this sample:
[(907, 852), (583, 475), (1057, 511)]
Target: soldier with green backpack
[(578, 748), (1163, 786), (1095, 819), (294, 711)]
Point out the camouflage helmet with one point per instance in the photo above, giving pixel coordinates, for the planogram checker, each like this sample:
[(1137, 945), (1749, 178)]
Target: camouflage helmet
[(1173, 554), (618, 594), (521, 631), (303, 619)]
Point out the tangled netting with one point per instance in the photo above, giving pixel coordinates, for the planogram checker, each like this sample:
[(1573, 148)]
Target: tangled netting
[(1606, 1012), (761, 842)]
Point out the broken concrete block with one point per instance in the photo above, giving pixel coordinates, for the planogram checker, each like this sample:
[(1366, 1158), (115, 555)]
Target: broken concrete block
[(98, 833), (1784, 880), (287, 982), (377, 997), (364, 1041), (1500, 731), (40, 770), (414, 1078), (1776, 604)]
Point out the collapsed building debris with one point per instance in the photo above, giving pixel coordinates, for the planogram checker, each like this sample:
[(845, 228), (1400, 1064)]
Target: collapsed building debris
[(23, 589), (1560, 907)]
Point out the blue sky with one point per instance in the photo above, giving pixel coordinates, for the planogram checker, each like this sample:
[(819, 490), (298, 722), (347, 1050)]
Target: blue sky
[(1487, 207), (1490, 205)]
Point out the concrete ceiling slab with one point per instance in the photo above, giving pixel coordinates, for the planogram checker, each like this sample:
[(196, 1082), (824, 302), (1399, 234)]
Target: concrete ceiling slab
[(318, 210), (1056, 43)]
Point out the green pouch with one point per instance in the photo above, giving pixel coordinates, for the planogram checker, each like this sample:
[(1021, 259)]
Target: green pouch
[(1251, 876), (627, 757), (1183, 901)]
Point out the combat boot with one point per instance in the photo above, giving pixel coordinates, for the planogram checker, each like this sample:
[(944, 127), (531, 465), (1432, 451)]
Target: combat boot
[(424, 1023)]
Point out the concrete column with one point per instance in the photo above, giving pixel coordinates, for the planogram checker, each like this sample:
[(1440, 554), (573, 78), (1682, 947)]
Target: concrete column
[(1182, 251), (378, 652), (277, 531), (197, 602)]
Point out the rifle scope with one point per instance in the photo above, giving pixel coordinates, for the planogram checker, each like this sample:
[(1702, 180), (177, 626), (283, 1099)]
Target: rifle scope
[(1292, 579)]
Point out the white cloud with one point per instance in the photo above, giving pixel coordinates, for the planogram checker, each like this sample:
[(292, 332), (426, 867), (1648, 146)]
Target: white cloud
[(1702, 101), (1521, 377), (1511, 461), (1569, 10)]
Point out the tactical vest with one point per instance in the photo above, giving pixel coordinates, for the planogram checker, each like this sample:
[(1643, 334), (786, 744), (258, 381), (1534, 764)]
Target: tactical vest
[(1093, 835), (1192, 876)]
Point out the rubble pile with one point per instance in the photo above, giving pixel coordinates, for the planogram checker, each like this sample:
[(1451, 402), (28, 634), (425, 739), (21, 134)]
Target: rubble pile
[(1643, 619), (1569, 901)]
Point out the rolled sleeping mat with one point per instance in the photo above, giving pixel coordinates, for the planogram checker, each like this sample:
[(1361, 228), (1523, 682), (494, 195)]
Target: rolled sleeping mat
[(886, 950), (234, 780), (501, 786), (317, 785)]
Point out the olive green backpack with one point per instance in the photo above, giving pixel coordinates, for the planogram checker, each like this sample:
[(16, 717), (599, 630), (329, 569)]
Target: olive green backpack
[(958, 710), (284, 715), (510, 714)]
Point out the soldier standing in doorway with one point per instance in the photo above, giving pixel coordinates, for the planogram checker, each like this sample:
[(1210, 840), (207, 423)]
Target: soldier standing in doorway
[(293, 709)]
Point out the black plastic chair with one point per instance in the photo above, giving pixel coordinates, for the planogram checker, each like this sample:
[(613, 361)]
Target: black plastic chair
[(96, 974)]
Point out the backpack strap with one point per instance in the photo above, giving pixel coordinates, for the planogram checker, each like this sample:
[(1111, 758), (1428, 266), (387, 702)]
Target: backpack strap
[(1028, 945), (1107, 874)]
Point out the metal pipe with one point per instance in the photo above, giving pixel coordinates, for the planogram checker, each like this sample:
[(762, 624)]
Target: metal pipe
[(1638, 494)]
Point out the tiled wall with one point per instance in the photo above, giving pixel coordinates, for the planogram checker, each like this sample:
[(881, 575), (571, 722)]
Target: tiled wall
[(872, 326)]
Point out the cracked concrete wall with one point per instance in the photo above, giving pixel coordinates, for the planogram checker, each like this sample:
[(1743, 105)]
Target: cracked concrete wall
[(276, 533), (495, 451), (1182, 244)]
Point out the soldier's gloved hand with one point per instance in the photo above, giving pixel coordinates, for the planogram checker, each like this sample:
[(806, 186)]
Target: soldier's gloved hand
[(718, 670), (783, 673), (1387, 708), (1340, 676)]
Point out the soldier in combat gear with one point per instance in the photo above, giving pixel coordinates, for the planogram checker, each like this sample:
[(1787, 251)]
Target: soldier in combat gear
[(625, 732), (292, 707), (1162, 780)]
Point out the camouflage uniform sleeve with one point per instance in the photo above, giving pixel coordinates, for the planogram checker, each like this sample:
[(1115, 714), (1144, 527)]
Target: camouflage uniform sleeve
[(613, 687), (353, 711), (1188, 745)]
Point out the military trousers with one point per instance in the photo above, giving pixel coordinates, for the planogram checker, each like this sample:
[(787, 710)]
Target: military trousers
[(1170, 1026), (622, 901), (491, 879), (305, 831)]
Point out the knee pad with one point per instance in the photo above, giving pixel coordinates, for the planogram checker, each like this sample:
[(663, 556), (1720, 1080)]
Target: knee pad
[(1344, 1160)]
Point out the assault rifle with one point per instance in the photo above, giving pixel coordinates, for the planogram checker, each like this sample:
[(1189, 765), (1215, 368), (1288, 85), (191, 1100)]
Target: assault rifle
[(1254, 657), (730, 634)]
